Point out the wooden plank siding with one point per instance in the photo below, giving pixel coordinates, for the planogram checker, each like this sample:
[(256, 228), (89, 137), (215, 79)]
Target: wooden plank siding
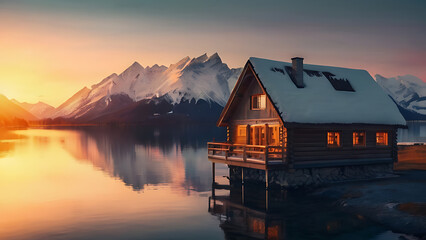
[(243, 113), (310, 144)]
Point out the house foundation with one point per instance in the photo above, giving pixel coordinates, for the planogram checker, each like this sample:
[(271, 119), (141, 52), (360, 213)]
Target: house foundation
[(296, 178)]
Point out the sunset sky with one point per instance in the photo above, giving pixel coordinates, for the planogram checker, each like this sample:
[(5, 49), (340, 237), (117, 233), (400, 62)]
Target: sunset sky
[(50, 49)]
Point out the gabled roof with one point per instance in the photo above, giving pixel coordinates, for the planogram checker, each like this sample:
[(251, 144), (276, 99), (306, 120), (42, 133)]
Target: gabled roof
[(319, 101)]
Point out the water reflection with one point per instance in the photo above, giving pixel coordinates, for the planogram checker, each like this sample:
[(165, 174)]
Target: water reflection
[(144, 183), (7, 141), (143, 156), (250, 212), (71, 184)]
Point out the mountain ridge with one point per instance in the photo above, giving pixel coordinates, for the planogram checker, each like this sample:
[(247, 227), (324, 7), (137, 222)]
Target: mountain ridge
[(12, 114), (40, 109), (158, 91), (204, 78), (408, 92)]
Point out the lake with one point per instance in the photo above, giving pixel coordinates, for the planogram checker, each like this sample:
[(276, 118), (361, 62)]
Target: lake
[(414, 133), (148, 183)]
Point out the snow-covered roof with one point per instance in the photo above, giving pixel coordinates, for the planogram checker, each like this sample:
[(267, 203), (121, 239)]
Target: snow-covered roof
[(319, 102)]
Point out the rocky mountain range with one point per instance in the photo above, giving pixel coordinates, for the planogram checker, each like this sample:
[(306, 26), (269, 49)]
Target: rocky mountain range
[(408, 92), (189, 89), (40, 110), (194, 89)]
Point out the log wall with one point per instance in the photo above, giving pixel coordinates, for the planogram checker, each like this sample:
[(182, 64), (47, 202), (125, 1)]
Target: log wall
[(310, 144)]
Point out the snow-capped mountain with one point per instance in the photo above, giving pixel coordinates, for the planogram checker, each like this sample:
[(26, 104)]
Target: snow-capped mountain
[(40, 110), (408, 91), (202, 78), (72, 103)]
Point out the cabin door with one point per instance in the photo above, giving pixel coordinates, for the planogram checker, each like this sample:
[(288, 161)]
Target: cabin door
[(257, 135), (264, 135), (273, 135)]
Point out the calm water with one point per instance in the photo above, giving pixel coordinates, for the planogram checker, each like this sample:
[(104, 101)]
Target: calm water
[(415, 132), (135, 183)]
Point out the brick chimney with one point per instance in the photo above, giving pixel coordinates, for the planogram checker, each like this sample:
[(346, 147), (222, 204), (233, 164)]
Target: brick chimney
[(297, 65)]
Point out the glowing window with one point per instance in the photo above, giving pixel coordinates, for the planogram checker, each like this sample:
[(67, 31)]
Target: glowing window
[(258, 102), (242, 130), (382, 138), (359, 139), (333, 139)]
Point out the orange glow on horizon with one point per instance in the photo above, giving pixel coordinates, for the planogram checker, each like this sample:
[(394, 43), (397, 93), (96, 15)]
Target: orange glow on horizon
[(50, 56)]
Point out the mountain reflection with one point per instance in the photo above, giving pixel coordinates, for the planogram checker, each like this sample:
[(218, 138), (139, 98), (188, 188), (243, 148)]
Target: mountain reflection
[(142, 156), (7, 141)]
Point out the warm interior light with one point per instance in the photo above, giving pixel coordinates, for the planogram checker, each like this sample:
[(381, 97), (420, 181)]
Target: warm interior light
[(258, 102), (274, 135), (382, 138), (358, 138), (333, 139), (242, 130), (241, 134)]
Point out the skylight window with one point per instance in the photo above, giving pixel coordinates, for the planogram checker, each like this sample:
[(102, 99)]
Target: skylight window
[(274, 69), (312, 73), (340, 84)]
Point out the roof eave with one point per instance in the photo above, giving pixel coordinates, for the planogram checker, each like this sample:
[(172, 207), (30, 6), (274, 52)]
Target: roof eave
[(220, 122)]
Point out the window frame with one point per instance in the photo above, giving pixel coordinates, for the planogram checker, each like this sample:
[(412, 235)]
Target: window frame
[(339, 139), (252, 101), (386, 139), (241, 129), (353, 139)]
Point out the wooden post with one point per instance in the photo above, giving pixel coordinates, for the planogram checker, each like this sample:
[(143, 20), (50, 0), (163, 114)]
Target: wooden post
[(266, 179), (213, 172), (267, 200), (265, 158), (248, 134), (242, 194), (266, 134), (213, 195), (242, 176), (244, 154)]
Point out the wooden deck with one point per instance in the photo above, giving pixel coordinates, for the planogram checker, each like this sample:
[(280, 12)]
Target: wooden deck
[(251, 156)]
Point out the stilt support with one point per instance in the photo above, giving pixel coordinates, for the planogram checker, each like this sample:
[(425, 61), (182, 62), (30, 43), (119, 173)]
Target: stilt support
[(266, 179), (242, 175), (267, 199), (213, 173)]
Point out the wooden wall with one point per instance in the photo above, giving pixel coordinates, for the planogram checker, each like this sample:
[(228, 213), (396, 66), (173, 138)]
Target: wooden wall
[(310, 144), (242, 112)]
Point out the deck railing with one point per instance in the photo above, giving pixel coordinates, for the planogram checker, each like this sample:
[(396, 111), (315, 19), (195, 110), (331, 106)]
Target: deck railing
[(247, 153)]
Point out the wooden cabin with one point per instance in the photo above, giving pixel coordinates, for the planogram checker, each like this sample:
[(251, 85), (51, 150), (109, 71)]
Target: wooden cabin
[(294, 115)]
